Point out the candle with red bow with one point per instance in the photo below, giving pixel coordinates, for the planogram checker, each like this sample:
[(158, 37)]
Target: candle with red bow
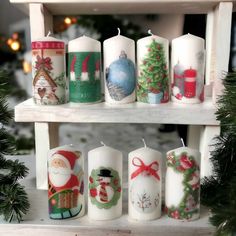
[(48, 71), (182, 195), (104, 183), (144, 184)]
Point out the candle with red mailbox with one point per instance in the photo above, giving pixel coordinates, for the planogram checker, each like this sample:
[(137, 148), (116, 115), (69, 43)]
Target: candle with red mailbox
[(188, 63)]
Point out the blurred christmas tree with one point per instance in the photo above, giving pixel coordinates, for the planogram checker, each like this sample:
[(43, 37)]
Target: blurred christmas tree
[(219, 191)]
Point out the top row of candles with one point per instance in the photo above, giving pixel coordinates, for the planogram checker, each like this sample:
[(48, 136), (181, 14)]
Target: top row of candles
[(149, 80)]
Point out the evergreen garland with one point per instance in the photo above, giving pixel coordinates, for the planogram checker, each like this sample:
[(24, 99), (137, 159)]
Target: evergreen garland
[(14, 202), (218, 192)]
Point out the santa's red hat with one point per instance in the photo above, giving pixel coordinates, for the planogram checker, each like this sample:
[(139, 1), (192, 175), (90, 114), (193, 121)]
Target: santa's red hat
[(84, 75)]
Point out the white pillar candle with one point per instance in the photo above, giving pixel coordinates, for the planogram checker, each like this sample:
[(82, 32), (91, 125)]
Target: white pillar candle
[(182, 195), (84, 66), (187, 69), (145, 184), (119, 70), (48, 71), (153, 69), (65, 183), (104, 183)]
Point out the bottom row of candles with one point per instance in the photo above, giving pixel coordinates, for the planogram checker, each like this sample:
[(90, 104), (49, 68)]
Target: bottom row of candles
[(66, 183)]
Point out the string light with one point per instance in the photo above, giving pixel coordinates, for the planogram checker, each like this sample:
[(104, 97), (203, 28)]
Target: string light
[(14, 42), (68, 21)]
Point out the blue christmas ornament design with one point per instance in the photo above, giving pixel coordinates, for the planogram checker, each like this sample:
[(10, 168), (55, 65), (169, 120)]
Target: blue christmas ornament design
[(120, 77)]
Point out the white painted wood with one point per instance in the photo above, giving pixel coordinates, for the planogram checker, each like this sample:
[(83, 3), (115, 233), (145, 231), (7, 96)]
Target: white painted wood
[(193, 136), (221, 48), (168, 113), (71, 7), (46, 137), (208, 133)]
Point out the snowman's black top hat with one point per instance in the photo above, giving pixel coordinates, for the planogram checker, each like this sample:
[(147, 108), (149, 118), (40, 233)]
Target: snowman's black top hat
[(105, 173)]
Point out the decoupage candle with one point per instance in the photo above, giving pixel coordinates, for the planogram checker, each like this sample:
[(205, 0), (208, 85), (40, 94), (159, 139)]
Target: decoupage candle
[(104, 183), (84, 67), (182, 196), (65, 183), (48, 71), (153, 69), (119, 68), (144, 184), (187, 69)]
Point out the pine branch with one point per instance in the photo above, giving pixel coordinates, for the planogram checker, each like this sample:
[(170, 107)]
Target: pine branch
[(7, 144), (5, 114)]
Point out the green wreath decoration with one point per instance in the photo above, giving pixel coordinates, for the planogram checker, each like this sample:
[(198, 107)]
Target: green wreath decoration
[(115, 184), (188, 169)]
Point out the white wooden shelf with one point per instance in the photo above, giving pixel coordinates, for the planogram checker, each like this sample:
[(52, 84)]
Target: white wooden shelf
[(75, 7), (169, 113)]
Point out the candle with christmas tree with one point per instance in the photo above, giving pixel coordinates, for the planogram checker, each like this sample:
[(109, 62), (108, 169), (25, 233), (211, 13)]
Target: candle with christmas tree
[(145, 184), (48, 71), (188, 63), (182, 196), (65, 183), (84, 56), (119, 67), (104, 183), (153, 64)]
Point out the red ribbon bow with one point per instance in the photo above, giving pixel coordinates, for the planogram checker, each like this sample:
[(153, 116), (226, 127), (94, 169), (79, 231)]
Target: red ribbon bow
[(43, 63), (151, 168)]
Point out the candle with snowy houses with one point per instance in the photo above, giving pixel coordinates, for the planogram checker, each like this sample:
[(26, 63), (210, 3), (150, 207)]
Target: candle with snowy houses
[(65, 183), (119, 67), (182, 190), (104, 183), (188, 63), (144, 184), (84, 57), (48, 71), (153, 66)]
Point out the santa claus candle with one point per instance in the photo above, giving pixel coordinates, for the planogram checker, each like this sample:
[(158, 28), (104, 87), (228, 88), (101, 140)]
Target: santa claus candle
[(48, 71), (182, 195), (84, 68), (187, 69), (104, 183), (65, 183), (119, 68), (144, 184), (153, 67)]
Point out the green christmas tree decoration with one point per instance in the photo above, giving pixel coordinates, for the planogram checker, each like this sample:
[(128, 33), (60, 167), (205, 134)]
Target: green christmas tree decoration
[(153, 74), (218, 192), (14, 202)]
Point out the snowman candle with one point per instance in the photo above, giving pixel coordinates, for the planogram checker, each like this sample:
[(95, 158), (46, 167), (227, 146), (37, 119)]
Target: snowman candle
[(182, 196), (48, 71), (144, 184), (119, 67), (65, 183), (105, 183)]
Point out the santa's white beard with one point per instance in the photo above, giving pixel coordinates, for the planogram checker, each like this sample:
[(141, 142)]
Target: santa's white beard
[(59, 176)]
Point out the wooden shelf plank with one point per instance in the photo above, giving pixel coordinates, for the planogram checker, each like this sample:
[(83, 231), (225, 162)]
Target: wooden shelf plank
[(76, 7), (169, 113)]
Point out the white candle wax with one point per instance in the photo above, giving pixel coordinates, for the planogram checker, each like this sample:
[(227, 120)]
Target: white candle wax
[(48, 71), (182, 190), (153, 70), (187, 69), (65, 182), (119, 70), (104, 183), (84, 65), (144, 184)]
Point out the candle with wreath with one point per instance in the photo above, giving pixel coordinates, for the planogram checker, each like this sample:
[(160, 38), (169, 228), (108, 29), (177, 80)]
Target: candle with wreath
[(182, 196), (153, 66), (145, 184), (187, 69), (119, 67), (104, 183), (48, 71), (65, 183), (84, 57)]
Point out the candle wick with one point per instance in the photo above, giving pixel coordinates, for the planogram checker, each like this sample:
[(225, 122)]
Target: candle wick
[(118, 31), (103, 143), (182, 141), (145, 145), (150, 32), (49, 32)]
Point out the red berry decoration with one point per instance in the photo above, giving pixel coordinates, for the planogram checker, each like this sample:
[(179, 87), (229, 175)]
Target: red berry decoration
[(53, 202), (90, 179), (93, 192)]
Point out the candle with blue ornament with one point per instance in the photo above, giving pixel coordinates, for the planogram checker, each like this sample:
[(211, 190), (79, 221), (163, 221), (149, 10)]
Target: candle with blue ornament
[(119, 67)]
